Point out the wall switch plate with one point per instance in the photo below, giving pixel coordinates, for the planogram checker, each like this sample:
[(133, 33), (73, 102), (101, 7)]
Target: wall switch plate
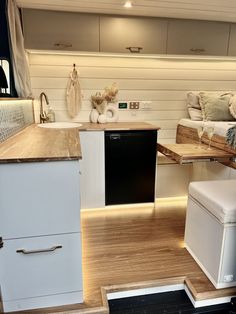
[(134, 105), (122, 105)]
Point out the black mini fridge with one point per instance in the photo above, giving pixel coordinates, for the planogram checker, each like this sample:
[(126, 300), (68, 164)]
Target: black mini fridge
[(130, 166)]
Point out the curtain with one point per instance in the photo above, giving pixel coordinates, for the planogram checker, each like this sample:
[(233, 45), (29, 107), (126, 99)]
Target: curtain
[(18, 54)]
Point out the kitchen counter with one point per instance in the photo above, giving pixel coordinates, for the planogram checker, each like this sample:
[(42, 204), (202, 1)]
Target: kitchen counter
[(40, 144), (86, 126), (34, 144)]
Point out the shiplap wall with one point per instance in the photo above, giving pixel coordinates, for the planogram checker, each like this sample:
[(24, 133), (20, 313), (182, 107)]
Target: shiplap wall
[(164, 82)]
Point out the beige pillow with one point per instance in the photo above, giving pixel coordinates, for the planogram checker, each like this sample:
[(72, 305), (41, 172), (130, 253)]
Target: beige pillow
[(232, 106), (215, 108), (193, 100), (195, 114)]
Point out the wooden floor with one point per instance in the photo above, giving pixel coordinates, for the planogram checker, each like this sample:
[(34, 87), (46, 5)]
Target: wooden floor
[(129, 245)]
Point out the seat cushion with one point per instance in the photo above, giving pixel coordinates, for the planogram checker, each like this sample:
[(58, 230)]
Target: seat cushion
[(218, 197)]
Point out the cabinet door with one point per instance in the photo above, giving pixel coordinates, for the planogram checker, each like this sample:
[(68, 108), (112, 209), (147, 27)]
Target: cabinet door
[(119, 33), (45, 273), (232, 41), (197, 37), (92, 167), (60, 30), (39, 198)]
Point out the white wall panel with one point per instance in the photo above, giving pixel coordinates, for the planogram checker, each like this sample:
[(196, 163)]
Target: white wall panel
[(165, 82)]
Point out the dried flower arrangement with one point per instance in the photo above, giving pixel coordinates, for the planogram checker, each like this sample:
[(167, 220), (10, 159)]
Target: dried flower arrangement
[(100, 101)]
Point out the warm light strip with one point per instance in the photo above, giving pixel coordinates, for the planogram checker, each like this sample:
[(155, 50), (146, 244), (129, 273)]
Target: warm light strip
[(128, 4), (137, 56)]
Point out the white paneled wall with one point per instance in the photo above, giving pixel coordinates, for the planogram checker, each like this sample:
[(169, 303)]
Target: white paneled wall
[(164, 82)]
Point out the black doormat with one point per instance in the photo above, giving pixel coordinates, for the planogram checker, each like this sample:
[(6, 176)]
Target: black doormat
[(176, 302)]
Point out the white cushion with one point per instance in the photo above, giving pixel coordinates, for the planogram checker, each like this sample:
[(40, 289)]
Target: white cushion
[(218, 197)]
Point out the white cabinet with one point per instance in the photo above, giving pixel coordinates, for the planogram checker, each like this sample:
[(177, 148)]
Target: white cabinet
[(60, 30), (55, 269), (40, 227), (119, 33), (92, 168), (35, 199), (197, 37)]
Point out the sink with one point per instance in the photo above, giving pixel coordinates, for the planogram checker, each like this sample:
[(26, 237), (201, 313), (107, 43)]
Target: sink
[(60, 125)]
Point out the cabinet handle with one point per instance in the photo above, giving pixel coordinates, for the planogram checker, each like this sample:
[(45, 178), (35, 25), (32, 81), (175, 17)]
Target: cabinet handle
[(63, 45), (51, 249), (197, 50), (1, 243), (134, 49)]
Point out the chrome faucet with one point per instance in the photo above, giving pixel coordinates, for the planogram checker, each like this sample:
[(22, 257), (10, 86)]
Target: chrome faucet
[(43, 115)]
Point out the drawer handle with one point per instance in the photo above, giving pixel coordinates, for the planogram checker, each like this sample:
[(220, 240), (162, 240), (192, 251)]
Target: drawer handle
[(134, 49), (51, 249), (199, 50)]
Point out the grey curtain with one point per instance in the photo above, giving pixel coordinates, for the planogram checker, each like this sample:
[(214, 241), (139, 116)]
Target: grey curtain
[(18, 54)]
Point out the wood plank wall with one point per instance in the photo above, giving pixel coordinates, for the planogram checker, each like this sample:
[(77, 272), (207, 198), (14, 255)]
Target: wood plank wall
[(164, 82)]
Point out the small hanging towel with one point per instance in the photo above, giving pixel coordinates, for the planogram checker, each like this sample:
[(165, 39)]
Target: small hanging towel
[(73, 94)]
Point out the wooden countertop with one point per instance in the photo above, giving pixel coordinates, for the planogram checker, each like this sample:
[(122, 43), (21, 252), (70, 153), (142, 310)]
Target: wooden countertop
[(86, 126), (34, 144), (41, 144), (182, 153)]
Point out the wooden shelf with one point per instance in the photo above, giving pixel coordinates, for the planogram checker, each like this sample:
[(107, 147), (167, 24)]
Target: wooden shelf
[(186, 153)]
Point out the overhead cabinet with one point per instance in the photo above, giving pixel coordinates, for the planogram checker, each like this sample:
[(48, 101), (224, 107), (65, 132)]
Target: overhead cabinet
[(60, 30), (232, 41), (197, 37), (57, 30), (132, 35)]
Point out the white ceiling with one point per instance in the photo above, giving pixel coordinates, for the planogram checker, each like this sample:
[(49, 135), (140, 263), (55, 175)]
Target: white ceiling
[(218, 10)]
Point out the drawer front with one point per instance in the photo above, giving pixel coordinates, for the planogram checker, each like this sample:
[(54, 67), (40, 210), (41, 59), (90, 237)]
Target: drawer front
[(27, 274), (39, 199)]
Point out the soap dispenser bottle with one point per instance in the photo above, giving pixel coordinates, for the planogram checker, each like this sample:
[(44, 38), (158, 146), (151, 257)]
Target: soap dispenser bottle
[(51, 114)]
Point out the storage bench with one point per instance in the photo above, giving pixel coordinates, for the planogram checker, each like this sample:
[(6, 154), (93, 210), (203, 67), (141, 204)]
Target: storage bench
[(210, 230)]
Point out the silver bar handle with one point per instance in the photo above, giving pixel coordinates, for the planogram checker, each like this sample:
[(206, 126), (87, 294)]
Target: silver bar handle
[(199, 50), (51, 249)]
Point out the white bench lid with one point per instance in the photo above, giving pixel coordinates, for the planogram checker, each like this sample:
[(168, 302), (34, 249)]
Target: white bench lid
[(218, 197)]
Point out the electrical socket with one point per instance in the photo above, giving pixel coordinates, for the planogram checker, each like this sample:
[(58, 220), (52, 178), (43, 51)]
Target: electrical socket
[(134, 105), (145, 105)]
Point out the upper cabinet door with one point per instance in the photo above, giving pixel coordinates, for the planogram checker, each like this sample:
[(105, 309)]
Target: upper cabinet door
[(133, 34), (197, 37), (232, 41), (60, 30)]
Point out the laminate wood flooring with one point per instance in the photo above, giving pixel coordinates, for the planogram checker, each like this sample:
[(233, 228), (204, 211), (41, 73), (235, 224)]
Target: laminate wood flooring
[(131, 245)]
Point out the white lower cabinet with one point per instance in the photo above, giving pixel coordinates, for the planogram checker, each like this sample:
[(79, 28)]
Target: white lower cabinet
[(39, 198), (41, 271), (40, 261), (92, 167)]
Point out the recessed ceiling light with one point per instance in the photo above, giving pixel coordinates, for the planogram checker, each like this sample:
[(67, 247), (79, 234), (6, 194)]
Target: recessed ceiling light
[(128, 4)]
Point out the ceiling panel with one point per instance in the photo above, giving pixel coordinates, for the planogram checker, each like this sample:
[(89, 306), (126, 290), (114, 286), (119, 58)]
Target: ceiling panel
[(218, 10)]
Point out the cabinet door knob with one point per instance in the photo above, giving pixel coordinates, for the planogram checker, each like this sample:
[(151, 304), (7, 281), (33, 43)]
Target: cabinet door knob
[(51, 249), (134, 49), (1, 243), (198, 50)]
